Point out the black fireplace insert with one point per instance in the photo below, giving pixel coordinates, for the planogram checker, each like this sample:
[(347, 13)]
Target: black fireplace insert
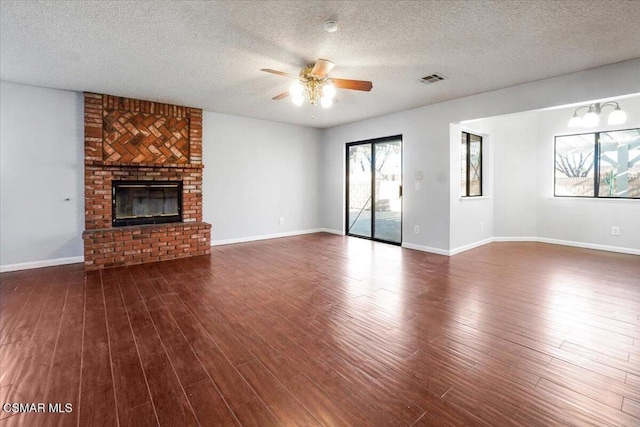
[(146, 202)]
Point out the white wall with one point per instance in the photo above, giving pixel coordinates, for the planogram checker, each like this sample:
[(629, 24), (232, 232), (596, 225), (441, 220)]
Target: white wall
[(423, 150), (41, 150), (515, 177), (583, 220), (427, 147), (473, 215), (257, 172), (512, 170), (522, 186)]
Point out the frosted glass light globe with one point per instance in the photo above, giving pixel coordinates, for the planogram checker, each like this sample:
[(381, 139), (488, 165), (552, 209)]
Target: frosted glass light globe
[(296, 89), (329, 91), (617, 117), (575, 122), (326, 102), (591, 119), (298, 100)]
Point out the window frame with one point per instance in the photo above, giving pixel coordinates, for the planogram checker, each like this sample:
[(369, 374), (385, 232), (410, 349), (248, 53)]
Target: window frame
[(468, 165), (596, 165)]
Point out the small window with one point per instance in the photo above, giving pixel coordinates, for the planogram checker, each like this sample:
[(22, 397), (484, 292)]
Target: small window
[(471, 162), (599, 164)]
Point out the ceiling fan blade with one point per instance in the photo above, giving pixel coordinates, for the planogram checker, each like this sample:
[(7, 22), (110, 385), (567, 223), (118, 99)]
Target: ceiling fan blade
[(352, 84), (278, 73), (322, 68), (281, 96)]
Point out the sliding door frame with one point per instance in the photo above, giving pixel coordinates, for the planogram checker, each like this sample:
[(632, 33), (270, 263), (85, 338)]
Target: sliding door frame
[(372, 143)]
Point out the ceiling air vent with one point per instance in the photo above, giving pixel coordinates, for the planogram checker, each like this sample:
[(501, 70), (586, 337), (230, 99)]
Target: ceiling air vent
[(433, 78)]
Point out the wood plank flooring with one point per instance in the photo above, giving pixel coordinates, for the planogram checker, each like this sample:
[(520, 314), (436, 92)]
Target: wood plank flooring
[(328, 330)]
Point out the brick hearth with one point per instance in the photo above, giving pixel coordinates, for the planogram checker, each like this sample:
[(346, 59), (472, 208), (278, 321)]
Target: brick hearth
[(134, 140)]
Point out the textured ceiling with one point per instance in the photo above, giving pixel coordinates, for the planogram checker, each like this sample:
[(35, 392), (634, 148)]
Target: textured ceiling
[(209, 54)]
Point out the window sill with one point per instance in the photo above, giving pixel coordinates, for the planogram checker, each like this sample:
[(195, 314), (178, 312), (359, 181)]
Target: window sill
[(474, 198)]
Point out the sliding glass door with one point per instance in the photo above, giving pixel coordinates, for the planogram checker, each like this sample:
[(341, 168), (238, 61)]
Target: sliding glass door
[(374, 189)]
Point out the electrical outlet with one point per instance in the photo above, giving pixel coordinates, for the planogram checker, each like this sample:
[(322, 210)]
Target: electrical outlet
[(615, 230), (281, 220), (481, 226), (416, 229)]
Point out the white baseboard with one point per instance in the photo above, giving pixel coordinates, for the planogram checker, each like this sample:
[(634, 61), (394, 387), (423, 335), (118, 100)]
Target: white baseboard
[(515, 239), (470, 246), (595, 246), (265, 237), (437, 251), (40, 264)]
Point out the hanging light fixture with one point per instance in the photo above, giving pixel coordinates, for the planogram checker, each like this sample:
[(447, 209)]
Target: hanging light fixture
[(592, 117), (314, 89)]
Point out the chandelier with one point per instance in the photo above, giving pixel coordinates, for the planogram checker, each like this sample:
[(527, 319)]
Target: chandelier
[(592, 117), (312, 88)]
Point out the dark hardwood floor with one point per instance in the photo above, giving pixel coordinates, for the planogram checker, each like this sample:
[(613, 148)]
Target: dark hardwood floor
[(329, 330)]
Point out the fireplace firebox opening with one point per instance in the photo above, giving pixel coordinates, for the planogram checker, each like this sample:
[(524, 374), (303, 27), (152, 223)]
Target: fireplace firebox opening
[(146, 202)]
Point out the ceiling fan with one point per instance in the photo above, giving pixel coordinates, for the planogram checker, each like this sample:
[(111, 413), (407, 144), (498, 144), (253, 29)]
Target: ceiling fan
[(313, 84)]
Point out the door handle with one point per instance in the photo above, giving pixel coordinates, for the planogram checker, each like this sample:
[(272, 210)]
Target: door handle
[(399, 190)]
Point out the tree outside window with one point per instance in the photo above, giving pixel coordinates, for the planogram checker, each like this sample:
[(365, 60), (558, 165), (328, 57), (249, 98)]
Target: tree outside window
[(599, 164)]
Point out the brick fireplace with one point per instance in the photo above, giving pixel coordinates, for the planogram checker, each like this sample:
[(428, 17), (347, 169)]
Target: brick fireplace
[(141, 142)]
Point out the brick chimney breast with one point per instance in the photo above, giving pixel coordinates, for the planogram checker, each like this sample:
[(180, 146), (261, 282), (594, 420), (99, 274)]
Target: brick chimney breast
[(134, 140)]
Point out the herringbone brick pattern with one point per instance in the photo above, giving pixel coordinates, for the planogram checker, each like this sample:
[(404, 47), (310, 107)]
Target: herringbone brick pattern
[(135, 137)]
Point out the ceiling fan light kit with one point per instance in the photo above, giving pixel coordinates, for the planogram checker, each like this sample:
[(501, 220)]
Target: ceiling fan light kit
[(314, 86)]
